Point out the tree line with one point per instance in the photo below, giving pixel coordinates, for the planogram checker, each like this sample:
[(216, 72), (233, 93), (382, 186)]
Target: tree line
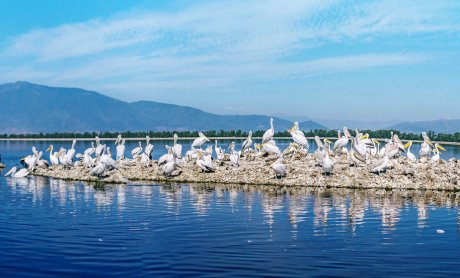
[(455, 137)]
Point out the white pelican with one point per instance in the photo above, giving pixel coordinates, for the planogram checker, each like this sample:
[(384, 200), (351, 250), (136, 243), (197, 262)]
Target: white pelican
[(270, 148), (121, 149), (235, 158), (327, 162), (53, 158), (298, 136), (98, 170), (107, 159), (169, 168), (319, 149), (380, 165), (24, 172), (91, 150), (177, 148), (99, 147), (64, 159), (410, 155), (145, 160), (71, 153), (436, 149), (137, 150), (425, 148), (198, 142), (168, 157), (205, 164), (279, 168), (220, 154), (148, 150), (247, 143), (342, 141), (268, 135)]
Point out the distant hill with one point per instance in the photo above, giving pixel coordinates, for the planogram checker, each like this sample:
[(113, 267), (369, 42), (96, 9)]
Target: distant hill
[(438, 126), (33, 108)]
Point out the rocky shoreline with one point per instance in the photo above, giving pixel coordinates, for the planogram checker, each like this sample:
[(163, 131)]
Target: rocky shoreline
[(441, 175)]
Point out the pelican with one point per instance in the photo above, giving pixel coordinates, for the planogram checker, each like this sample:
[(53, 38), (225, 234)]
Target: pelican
[(24, 172), (169, 168), (205, 164), (436, 149), (219, 152), (53, 158), (98, 170), (298, 136), (268, 135), (121, 149), (198, 142), (425, 148), (64, 159), (99, 147), (247, 143), (91, 150), (342, 141), (270, 148), (145, 160), (319, 150), (235, 158), (327, 162), (107, 159), (168, 157), (148, 147), (410, 155), (279, 168), (137, 150), (71, 153), (177, 148), (380, 165)]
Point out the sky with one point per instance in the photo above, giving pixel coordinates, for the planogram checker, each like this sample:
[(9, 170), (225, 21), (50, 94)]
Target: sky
[(354, 60)]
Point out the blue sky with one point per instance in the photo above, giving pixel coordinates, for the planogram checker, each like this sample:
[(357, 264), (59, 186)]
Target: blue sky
[(357, 60)]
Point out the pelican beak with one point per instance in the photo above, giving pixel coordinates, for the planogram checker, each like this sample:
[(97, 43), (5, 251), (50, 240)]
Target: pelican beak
[(327, 141), (430, 143), (375, 141), (407, 145), (440, 147), (364, 137), (48, 149)]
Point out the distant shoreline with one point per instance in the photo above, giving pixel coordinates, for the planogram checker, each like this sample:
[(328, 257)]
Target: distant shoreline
[(192, 138)]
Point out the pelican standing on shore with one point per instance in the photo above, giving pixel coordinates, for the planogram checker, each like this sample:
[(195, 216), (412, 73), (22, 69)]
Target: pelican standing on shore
[(409, 154), (298, 136), (425, 148), (177, 148), (247, 143), (279, 168), (198, 142), (53, 156), (137, 150), (268, 135)]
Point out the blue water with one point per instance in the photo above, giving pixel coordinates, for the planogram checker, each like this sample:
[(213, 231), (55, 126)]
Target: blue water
[(56, 228)]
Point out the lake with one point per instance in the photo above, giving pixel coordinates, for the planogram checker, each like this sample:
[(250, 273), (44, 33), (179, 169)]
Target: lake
[(55, 228)]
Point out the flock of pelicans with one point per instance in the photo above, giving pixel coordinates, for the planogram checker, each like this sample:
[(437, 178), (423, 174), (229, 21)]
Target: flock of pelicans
[(360, 150)]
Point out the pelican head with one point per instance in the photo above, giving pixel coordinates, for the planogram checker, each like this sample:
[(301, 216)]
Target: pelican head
[(408, 144), (50, 148), (439, 147)]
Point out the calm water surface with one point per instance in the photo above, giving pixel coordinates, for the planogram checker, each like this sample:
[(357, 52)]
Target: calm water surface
[(54, 228)]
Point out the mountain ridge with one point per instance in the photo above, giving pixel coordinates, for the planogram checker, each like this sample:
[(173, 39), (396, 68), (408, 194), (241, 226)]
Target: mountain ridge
[(33, 108)]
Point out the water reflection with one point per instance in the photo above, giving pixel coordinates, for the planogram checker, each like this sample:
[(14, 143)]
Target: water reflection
[(319, 208)]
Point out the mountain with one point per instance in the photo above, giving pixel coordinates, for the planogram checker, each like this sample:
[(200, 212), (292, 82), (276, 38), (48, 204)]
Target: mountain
[(33, 108), (339, 124), (438, 126)]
